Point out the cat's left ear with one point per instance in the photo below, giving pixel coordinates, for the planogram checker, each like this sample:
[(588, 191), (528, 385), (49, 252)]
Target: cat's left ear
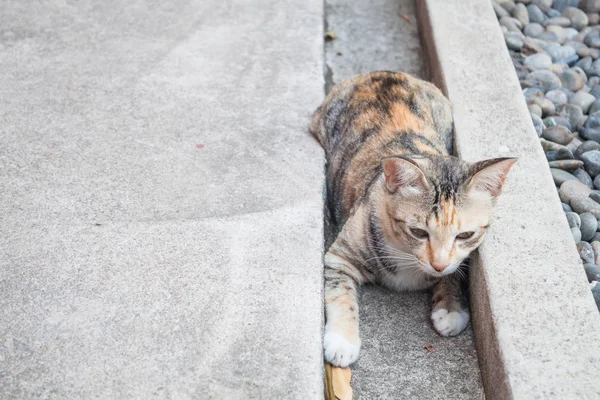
[(489, 175)]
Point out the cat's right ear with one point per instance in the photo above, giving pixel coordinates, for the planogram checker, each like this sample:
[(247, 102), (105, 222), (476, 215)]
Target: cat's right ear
[(403, 176)]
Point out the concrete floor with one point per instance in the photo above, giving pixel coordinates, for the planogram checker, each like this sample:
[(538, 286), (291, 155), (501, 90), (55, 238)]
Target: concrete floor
[(395, 326)]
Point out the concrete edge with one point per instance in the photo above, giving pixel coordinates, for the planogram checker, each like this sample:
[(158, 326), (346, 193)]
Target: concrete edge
[(462, 41)]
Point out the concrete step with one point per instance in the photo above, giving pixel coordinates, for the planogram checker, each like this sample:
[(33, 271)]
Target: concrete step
[(161, 206)]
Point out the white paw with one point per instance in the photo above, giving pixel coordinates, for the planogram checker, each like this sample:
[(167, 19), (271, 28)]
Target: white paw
[(340, 351), (449, 323)]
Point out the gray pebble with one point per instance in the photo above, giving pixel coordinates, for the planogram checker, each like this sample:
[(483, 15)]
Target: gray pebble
[(510, 24), (557, 134), (531, 92), (535, 14), (575, 143), (570, 34), (586, 253), (570, 111), (596, 248), (590, 6), (559, 176), (513, 41), (557, 120), (595, 195), (557, 96), (533, 30), (567, 165), (538, 61), (534, 109), (560, 21), (546, 79), (588, 227), (597, 182), (520, 13), (583, 177), (576, 234), (499, 10), (566, 208), (591, 271), (591, 160), (595, 288), (571, 190), (553, 13), (583, 100), (573, 220), (577, 18), (586, 146), (537, 124), (572, 79), (595, 107), (585, 204)]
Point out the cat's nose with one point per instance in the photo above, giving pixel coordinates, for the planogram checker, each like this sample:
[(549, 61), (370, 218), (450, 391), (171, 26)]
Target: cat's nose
[(439, 267)]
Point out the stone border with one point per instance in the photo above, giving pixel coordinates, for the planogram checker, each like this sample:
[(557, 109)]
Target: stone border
[(535, 321)]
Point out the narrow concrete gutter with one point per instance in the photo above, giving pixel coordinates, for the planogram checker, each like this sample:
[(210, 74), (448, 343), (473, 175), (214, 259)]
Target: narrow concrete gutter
[(534, 317)]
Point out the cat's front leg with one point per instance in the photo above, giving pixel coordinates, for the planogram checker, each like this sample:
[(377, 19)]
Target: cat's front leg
[(341, 341), (450, 313)]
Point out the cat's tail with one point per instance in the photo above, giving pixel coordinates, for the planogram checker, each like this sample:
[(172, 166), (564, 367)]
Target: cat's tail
[(316, 126)]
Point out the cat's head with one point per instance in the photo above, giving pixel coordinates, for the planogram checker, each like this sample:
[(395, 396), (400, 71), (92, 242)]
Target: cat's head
[(438, 208)]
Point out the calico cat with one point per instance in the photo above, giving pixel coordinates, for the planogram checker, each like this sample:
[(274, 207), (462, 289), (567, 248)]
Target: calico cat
[(408, 213)]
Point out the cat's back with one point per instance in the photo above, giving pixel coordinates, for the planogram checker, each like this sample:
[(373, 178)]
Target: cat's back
[(375, 115)]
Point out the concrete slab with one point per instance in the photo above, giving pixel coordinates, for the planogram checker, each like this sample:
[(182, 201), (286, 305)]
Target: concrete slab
[(535, 320), (395, 326), (161, 228)]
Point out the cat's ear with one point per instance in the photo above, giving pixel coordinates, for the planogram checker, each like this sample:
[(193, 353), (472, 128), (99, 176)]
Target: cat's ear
[(489, 175), (404, 176)]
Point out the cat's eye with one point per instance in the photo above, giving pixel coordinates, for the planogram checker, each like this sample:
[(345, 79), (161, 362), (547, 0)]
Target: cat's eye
[(465, 235), (419, 233)]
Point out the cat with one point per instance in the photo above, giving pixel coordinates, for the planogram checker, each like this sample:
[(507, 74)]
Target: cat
[(408, 213)]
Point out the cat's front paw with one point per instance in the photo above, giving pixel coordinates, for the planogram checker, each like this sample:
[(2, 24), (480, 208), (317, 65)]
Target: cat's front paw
[(340, 351), (449, 323)]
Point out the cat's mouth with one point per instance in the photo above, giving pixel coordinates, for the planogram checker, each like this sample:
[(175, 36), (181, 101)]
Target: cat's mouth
[(428, 269)]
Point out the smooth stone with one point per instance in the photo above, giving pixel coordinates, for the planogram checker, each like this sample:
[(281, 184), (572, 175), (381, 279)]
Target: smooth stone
[(535, 14), (560, 21), (534, 109), (591, 160), (566, 165), (590, 134), (557, 120), (533, 30), (597, 182), (594, 88), (539, 61), (595, 288), (575, 143), (570, 111), (561, 176), (558, 134), (593, 19), (585, 63), (549, 36), (592, 39), (552, 155), (520, 13), (596, 237), (548, 80), (588, 227), (544, 5), (586, 146), (592, 271), (566, 208), (513, 41), (576, 17), (532, 92), (595, 107), (594, 70), (595, 195), (510, 24), (557, 96), (561, 5), (585, 204), (559, 31), (584, 177), (571, 33), (571, 190), (553, 13), (572, 79), (586, 253), (573, 219), (550, 146), (564, 154), (576, 234), (499, 10), (596, 248), (538, 124), (571, 60), (582, 51), (590, 6), (583, 100)]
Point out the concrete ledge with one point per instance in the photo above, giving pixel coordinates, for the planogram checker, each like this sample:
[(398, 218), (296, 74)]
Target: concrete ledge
[(534, 318)]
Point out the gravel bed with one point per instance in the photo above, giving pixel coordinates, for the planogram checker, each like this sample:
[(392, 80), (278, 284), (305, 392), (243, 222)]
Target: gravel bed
[(555, 49)]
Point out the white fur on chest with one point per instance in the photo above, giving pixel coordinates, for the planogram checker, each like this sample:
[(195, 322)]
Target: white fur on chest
[(407, 279)]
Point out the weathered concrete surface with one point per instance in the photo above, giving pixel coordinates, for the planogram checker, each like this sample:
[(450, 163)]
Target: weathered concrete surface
[(161, 213), (535, 321), (394, 326)]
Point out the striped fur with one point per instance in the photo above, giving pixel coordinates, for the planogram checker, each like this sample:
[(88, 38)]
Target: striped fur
[(399, 200)]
